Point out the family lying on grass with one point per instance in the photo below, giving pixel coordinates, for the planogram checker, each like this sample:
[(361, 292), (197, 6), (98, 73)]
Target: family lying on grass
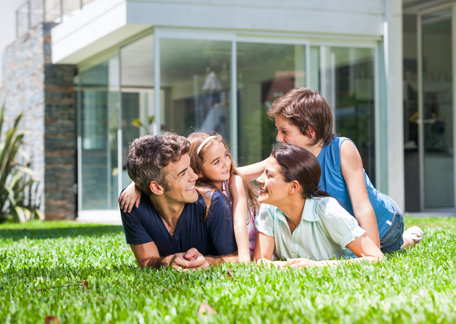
[(189, 207)]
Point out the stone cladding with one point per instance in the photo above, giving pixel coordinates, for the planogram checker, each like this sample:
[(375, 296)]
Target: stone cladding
[(44, 93)]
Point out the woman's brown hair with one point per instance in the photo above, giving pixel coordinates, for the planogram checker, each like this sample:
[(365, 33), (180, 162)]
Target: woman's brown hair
[(205, 186), (304, 107), (301, 165)]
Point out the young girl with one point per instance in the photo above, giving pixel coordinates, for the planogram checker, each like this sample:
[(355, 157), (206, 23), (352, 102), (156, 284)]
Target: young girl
[(212, 162)]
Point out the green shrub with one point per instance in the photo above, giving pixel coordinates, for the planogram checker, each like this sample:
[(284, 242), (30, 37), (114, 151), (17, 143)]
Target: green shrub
[(16, 180)]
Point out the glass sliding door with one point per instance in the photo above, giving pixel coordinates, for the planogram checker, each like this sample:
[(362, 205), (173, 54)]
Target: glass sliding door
[(195, 80), (99, 109), (436, 110), (137, 94), (264, 73), (348, 84)]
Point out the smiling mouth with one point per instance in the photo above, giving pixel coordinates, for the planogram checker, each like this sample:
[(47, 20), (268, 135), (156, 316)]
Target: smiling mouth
[(191, 188), (262, 190)]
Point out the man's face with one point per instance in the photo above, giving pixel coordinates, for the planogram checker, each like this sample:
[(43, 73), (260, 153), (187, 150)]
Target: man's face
[(181, 181)]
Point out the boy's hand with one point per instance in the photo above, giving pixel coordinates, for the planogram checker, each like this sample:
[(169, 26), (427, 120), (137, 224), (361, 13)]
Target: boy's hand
[(130, 197)]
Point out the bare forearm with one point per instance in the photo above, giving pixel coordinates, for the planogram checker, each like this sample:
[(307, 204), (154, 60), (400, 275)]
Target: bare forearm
[(217, 260), (350, 261), (253, 171), (242, 240), (157, 262), (368, 222)]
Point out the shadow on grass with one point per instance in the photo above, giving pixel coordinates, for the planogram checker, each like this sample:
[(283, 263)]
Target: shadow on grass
[(46, 233)]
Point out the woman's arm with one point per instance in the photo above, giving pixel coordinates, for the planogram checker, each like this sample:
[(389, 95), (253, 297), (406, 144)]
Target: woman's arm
[(130, 197), (240, 208), (362, 246), (253, 171), (352, 171), (264, 247)]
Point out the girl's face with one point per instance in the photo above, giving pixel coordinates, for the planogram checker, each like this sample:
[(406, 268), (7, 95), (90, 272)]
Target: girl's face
[(273, 188), (217, 164), (287, 133)]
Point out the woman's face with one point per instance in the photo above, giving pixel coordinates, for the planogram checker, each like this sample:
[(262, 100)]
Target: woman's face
[(273, 188)]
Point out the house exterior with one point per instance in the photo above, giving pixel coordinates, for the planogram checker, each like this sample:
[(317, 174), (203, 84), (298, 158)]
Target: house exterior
[(112, 70)]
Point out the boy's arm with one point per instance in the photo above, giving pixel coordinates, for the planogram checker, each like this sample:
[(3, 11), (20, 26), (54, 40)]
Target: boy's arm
[(130, 197), (253, 171), (352, 171)]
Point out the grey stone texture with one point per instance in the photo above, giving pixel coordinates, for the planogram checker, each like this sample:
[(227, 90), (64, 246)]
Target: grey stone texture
[(44, 93)]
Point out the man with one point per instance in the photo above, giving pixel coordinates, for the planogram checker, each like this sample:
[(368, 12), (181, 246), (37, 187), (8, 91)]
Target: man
[(169, 227)]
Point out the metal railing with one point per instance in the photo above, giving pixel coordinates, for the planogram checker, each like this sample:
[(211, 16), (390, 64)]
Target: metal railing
[(34, 12)]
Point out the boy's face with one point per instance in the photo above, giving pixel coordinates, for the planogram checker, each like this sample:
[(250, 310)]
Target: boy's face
[(287, 133)]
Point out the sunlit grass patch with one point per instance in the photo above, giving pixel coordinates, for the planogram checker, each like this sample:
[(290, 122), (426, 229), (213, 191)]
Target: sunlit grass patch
[(87, 274)]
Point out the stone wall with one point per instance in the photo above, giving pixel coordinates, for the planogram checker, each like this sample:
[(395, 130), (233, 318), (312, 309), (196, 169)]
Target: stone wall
[(44, 93)]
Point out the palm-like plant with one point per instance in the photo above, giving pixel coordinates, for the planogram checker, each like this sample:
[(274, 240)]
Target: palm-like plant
[(16, 180)]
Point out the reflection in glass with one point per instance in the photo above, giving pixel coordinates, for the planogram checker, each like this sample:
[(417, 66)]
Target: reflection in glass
[(351, 96), (265, 72), (438, 110), (99, 115), (137, 81), (195, 80)]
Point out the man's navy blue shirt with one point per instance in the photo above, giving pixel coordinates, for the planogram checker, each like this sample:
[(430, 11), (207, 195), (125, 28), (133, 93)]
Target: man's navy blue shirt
[(211, 236)]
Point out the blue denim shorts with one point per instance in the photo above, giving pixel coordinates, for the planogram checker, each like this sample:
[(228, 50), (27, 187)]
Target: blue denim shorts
[(392, 240)]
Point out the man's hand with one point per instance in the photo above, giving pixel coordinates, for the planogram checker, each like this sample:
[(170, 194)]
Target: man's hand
[(192, 259)]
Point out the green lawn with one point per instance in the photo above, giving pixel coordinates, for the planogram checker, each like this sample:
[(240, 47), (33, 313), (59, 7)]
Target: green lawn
[(42, 265)]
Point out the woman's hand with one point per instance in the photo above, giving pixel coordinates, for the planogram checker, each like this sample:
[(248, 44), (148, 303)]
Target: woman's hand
[(130, 197), (301, 263)]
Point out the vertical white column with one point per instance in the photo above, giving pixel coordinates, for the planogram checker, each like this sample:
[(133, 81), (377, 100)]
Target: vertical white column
[(157, 119), (394, 100), (234, 117)]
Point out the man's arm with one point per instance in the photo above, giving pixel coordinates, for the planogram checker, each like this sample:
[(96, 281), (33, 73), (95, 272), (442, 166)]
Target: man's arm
[(147, 256), (216, 260)]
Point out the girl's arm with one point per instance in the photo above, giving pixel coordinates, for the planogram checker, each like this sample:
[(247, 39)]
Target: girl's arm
[(253, 171), (352, 171), (362, 246), (130, 197), (240, 208)]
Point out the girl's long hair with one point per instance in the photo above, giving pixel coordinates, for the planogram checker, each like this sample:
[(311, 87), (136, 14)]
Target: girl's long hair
[(299, 164), (204, 185)]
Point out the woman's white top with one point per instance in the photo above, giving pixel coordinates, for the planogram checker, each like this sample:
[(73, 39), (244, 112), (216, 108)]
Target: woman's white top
[(323, 233)]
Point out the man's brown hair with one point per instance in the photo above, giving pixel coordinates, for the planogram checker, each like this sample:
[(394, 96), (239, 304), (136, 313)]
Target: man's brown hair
[(304, 107), (149, 154)]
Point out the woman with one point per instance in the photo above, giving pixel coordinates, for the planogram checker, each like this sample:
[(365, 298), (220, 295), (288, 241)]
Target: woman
[(298, 221)]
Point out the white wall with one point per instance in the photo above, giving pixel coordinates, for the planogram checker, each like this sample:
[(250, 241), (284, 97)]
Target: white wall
[(105, 23)]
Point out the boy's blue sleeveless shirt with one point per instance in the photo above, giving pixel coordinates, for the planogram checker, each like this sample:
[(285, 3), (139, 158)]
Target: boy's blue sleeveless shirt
[(332, 181)]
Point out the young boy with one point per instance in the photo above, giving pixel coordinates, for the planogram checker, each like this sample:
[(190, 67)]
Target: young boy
[(303, 118)]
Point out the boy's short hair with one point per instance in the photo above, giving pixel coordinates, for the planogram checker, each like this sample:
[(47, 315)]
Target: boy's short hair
[(304, 107), (149, 154)]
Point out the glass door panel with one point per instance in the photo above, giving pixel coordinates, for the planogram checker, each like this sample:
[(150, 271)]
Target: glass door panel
[(264, 73), (348, 86), (99, 123), (195, 80), (437, 108)]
